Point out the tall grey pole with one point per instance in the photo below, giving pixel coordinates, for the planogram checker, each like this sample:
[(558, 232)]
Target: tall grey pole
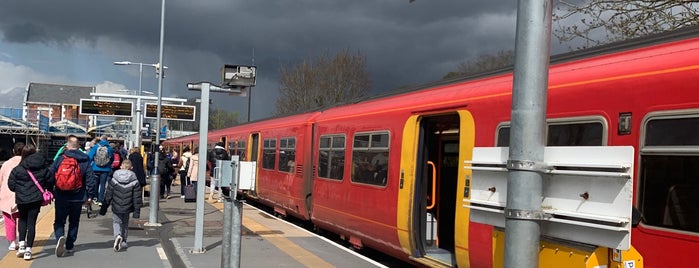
[(138, 106), (201, 174), (232, 219), (527, 139), (155, 178)]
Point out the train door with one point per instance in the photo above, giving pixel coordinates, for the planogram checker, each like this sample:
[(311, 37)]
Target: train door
[(254, 150), (435, 148)]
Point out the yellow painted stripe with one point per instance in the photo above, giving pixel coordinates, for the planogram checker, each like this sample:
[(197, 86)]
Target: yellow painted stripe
[(287, 246), (298, 253), (44, 229)]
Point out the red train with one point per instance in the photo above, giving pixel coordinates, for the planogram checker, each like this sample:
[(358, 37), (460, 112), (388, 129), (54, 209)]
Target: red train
[(385, 172)]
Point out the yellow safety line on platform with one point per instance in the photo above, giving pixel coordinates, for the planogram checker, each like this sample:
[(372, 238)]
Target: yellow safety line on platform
[(44, 229), (300, 254)]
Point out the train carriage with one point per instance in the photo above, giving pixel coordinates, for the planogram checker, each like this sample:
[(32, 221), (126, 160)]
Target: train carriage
[(388, 173)]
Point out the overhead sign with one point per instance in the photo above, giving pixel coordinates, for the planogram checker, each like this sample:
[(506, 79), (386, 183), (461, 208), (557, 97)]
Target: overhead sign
[(171, 111), (105, 107), (239, 75)]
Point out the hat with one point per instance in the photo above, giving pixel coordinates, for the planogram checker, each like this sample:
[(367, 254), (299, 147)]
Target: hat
[(220, 143)]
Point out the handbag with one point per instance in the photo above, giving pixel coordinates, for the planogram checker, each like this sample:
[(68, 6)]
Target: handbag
[(48, 196)]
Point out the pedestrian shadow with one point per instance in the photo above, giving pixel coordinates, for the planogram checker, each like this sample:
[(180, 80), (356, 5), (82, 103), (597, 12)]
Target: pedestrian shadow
[(50, 248)]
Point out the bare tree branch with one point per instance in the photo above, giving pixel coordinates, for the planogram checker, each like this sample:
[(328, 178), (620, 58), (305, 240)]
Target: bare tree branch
[(596, 22), (324, 81)]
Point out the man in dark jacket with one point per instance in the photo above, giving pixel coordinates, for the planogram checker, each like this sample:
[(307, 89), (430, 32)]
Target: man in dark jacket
[(218, 153), (69, 203)]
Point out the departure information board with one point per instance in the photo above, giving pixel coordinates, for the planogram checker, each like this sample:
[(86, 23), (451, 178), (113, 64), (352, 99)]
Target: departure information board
[(106, 108), (170, 111)]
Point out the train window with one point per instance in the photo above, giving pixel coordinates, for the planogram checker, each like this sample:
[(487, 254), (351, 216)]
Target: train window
[(287, 154), (331, 157), (564, 134), (241, 149), (370, 158), (269, 151), (669, 174), (231, 147), (575, 134)]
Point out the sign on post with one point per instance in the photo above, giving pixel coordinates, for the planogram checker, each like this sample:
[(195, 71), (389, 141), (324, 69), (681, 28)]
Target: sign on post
[(171, 111), (106, 108)]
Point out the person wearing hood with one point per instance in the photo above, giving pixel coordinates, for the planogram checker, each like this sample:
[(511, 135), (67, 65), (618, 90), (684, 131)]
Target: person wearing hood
[(218, 153), (184, 165), (124, 195), (101, 172), (69, 202), (7, 197), (28, 196)]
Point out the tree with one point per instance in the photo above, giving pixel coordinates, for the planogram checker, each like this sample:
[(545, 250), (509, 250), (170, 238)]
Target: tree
[(484, 62), (597, 22), (321, 82), (219, 119)]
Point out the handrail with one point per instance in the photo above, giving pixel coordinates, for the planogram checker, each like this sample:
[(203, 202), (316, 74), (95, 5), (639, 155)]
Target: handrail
[(434, 185)]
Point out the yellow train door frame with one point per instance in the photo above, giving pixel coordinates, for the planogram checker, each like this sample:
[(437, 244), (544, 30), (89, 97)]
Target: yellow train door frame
[(415, 192)]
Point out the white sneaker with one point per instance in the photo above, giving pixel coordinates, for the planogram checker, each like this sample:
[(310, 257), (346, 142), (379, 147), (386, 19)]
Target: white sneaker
[(13, 246), (21, 249), (117, 243), (27, 255), (61, 246)]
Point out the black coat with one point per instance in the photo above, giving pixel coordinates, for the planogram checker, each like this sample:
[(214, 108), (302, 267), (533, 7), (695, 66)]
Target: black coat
[(22, 184), (123, 194), (137, 167)]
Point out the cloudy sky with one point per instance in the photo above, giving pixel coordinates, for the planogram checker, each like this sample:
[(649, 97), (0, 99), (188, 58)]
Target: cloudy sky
[(75, 42)]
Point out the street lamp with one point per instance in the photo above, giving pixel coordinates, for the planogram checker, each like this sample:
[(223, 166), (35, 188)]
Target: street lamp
[(138, 122)]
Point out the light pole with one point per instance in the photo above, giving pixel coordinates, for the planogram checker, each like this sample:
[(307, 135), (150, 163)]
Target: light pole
[(138, 121)]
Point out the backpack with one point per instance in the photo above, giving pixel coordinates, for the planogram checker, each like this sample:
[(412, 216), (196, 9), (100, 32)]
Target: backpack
[(117, 161), (68, 176), (164, 167), (102, 156)]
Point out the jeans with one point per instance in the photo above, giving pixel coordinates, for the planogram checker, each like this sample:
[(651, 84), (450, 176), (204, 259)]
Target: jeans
[(70, 210), (102, 178)]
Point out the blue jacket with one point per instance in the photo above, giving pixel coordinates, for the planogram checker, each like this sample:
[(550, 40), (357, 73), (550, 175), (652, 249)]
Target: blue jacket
[(89, 188), (92, 152)]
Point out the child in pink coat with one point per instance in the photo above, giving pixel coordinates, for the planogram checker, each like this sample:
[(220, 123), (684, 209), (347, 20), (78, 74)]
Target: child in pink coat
[(7, 197)]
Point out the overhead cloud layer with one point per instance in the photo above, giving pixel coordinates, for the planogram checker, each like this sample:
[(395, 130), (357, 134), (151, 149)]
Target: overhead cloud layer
[(405, 43)]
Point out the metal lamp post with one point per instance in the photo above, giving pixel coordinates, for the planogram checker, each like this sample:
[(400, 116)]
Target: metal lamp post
[(138, 121)]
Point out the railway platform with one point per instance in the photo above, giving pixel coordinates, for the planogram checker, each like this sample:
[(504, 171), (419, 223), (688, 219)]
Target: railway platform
[(266, 242)]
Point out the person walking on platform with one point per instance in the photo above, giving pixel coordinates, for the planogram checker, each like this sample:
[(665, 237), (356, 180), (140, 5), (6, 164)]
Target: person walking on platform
[(137, 165), (75, 185), (165, 170), (124, 195), (193, 170), (23, 181), (7, 197), (183, 166), (102, 157), (218, 153)]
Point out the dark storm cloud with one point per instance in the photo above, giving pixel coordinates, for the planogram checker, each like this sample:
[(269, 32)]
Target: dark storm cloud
[(405, 43)]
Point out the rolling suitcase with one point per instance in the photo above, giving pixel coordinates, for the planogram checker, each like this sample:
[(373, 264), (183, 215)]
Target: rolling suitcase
[(190, 194)]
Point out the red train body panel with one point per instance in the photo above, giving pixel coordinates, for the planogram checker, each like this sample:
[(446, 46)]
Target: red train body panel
[(623, 98)]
